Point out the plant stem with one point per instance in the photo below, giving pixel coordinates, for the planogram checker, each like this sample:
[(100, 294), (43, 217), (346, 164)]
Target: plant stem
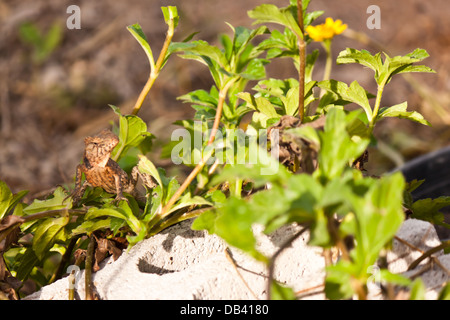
[(377, 106), (415, 263), (329, 61), (302, 64), (155, 69), (64, 260), (88, 268), (222, 95), (184, 186)]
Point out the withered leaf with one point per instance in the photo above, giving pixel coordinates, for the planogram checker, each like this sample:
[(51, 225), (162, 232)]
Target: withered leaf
[(105, 246)]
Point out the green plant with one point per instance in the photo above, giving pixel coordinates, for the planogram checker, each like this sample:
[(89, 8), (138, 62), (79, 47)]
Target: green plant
[(42, 44), (235, 183)]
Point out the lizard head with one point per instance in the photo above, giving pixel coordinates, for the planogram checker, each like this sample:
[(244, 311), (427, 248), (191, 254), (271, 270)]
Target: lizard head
[(98, 148)]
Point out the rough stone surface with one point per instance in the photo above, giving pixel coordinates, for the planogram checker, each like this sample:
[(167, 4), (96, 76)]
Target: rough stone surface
[(180, 263), (421, 237)]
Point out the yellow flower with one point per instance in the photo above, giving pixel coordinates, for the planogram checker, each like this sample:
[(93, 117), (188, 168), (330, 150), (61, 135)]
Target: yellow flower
[(326, 30)]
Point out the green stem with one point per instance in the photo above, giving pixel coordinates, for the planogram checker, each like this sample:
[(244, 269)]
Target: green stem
[(222, 95), (88, 268), (377, 106), (155, 69), (238, 187), (329, 61)]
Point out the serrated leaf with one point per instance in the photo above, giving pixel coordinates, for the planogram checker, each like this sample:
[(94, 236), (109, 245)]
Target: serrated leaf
[(362, 57), (269, 13), (255, 70), (429, 210), (260, 104), (414, 68), (355, 93), (203, 49), (54, 203), (399, 111)]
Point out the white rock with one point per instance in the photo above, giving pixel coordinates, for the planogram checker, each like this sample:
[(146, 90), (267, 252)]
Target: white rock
[(420, 237), (180, 263)]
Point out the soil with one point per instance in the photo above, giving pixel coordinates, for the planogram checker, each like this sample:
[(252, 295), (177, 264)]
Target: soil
[(47, 109)]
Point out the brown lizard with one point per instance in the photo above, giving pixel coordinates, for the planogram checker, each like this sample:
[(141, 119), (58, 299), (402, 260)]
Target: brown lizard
[(102, 171)]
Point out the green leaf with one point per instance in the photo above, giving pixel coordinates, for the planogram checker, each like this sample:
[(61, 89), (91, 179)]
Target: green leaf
[(205, 222), (25, 263), (261, 169), (255, 70), (170, 14), (399, 111), (147, 167), (337, 149), (338, 281), (261, 104), (378, 214), (132, 132), (234, 224), (269, 13), (52, 38), (123, 212), (362, 57), (428, 210), (355, 93), (418, 290), (187, 201), (139, 35), (202, 49), (280, 292), (6, 197), (55, 203), (47, 233), (89, 226), (445, 293), (391, 66)]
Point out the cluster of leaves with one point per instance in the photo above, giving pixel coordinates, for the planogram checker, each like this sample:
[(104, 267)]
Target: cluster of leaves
[(369, 210)]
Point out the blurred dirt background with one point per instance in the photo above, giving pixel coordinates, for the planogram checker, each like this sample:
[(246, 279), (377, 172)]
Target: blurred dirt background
[(47, 107)]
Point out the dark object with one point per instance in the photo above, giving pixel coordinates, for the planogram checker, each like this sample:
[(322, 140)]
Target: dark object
[(434, 168)]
